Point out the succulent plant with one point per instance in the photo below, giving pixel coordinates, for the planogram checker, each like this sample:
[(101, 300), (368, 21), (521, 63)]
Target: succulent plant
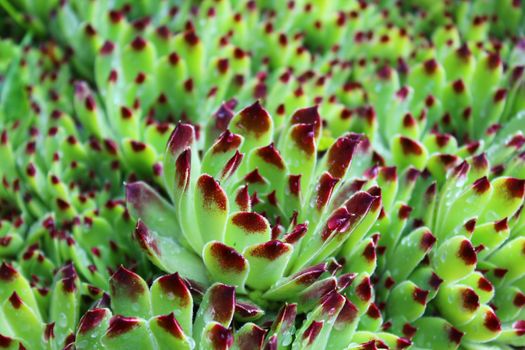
[(161, 316), (36, 317), (389, 214), (57, 204), (250, 213)]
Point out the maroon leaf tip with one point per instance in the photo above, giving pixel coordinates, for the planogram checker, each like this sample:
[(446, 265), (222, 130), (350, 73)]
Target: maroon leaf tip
[(181, 138), (173, 284), (435, 281), (410, 146), (519, 299), (481, 185), (270, 250), (144, 238), (222, 300), (324, 189), (228, 258), (7, 272), (138, 43), (420, 296), (348, 313), (311, 333), (454, 334), (501, 225), (119, 325), (169, 324), (297, 233), (15, 300), (127, 282), (470, 299), (515, 187), (226, 142), (373, 311), (467, 253), (427, 241), (492, 322), (485, 285), (332, 303), (250, 222), (5, 342), (340, 154), (304, 137), (220, 337), (271, 156), (254, 119), (212, 192), (409, 331), (364, 289), (91, 319)]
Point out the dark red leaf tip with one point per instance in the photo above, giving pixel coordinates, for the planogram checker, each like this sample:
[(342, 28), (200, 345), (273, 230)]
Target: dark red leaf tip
[(91, 319), (294, 184), (410, 146), (500, 95), (458, 86), (470, 300), (519, 300), (254, 119), (467, 253), (271, 155), (220, 337), (484, 284), (296, 234), (311, 333), (430, 66), (228, 258), (481, 185), (420, 296), (501, 225), (492, 322), (270, 250), (304, 137), (126, 283), (7, 272), (454, 334), (310, 274), (138, 44), (169, 324), (174, 285), (435, 281), (519, 327), (404, 212), (5, 342), (427, 241), (409, 331), (212, 192), (373, 311), (340, 154), (364, 289), (493, 61), (119, 325), (15, 300), (332, 302), (515, 187), (250, 222)]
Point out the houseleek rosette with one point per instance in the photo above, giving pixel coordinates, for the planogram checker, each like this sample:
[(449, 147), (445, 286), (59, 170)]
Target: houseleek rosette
[(439, 95), (36, 317), (161, 317), (60, 185), (439, 253), (255, 212)]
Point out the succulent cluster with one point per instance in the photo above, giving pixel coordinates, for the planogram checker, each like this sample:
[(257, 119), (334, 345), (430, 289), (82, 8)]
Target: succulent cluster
[(253, 174)]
